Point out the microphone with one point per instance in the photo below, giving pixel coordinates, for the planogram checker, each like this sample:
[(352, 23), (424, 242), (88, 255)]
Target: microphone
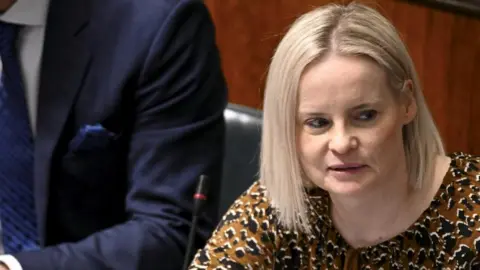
[(199, 199)]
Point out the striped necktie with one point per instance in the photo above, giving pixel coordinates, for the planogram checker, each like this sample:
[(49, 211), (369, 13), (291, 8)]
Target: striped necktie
[(17, 212)]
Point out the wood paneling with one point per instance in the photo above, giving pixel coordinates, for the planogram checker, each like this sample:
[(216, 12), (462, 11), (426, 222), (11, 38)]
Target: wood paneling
[(444, 46)]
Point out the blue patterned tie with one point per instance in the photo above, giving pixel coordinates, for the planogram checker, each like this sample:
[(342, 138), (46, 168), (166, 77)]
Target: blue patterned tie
[(17, 212)]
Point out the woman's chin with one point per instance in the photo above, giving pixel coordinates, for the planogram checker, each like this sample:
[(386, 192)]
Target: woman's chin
[(342, 187)]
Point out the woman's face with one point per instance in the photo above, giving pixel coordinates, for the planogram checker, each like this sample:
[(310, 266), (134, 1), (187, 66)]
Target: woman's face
[(349, 124)]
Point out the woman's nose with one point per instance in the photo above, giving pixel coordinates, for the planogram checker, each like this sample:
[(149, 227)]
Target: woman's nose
[(342, 141)]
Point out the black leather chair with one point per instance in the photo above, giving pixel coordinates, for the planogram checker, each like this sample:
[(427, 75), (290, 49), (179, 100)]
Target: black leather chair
[(242, 149)]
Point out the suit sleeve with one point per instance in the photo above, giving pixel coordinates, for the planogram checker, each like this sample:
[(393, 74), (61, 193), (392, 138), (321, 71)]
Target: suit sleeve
[(178, 135)]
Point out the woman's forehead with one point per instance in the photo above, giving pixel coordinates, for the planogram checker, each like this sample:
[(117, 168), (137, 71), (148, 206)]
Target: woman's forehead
[(342, 81)]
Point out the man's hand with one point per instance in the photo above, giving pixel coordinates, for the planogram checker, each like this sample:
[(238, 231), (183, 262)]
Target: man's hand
[(3, 267)]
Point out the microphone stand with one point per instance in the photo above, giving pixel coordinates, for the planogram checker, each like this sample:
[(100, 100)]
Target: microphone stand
[(199, 199)]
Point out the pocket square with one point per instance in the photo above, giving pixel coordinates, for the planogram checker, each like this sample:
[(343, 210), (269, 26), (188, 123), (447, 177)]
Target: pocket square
[(92, 137)]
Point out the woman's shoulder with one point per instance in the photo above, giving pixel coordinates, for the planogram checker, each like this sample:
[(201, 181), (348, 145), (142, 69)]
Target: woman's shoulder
[(244, 236), (464, 173), (461, 185), (465, 162), (253, 205), (457, 208), (254, 197)]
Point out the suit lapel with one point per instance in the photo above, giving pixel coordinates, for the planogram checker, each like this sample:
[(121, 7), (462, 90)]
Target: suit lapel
[(65, 59)]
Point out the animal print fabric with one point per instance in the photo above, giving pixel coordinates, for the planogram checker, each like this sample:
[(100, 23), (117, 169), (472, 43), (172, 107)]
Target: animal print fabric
[(446, 236)]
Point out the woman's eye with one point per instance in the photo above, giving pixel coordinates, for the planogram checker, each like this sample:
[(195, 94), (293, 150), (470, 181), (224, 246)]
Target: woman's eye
[(317, 123), (367, 115)]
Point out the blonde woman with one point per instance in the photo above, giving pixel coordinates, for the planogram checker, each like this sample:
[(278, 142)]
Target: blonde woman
[(353, 171)]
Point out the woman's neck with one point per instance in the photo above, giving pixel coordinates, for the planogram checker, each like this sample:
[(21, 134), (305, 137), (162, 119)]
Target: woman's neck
[(362, 219)]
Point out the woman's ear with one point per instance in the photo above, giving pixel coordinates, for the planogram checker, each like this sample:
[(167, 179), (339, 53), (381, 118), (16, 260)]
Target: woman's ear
[(410, 103)]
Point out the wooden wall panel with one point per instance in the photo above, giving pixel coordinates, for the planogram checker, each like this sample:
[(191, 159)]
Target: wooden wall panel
[(444, 46)]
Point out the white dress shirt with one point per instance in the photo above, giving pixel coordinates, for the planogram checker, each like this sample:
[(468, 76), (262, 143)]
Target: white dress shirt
[(32, 14)]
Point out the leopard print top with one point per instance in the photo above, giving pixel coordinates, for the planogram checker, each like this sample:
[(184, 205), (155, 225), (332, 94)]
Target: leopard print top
[(446, 236)]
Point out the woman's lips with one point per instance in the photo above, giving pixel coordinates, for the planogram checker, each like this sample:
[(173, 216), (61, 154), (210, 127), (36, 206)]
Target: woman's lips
[(346, 167), (346, 172)]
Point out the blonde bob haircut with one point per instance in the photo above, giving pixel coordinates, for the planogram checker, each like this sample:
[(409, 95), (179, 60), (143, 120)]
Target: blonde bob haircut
[(352, 29)]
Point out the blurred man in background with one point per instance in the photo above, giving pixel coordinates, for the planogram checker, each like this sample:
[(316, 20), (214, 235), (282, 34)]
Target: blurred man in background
[(110, 110)]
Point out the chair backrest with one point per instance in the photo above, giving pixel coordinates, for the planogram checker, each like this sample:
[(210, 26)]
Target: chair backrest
[(241, 162)]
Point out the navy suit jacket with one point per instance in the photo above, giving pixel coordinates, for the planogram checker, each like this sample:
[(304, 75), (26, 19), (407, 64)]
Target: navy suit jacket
[(148, 71)]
